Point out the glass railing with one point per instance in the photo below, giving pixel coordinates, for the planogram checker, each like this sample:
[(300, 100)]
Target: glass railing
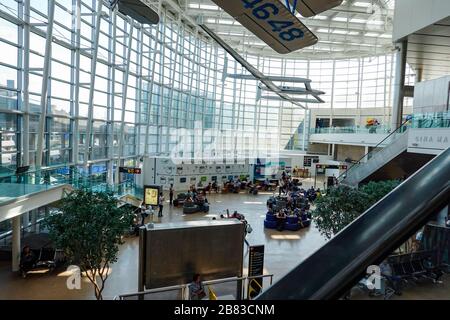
[(425, 120), (389, 139), (431, 120), (14, 185), (353, 130)]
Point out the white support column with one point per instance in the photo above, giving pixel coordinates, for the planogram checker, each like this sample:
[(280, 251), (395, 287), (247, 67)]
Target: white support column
[(366, 151), (162, 57), (138, 121), (94, 51), (176, 53), (205, 101), (26, 84), (152, 81), (124, 97), (333, 81), (76, 38), (45, 82), (189, 100), (16, 246), (360, 89), (399, 84), (333, 151), (112, 88)]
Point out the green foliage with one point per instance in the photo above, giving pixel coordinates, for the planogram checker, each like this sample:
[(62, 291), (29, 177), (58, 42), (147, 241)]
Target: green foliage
[(89, 229), (377, 190), (339, 207), (343, 204)]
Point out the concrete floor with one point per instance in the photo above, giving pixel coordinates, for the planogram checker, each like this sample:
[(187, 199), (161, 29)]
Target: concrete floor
[(283, 251)]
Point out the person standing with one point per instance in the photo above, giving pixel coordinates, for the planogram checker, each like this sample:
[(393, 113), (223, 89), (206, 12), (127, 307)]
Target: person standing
[(171, 194), (161, 204)]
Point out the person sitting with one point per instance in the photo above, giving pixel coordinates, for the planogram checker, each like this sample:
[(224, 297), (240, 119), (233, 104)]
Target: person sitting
[(318, 194), (208, 188), (200, 199), (215, 187), (281, 218), (236, 186), (434, 271), (393, 281), (27, 261), (266, 183), (196, 290)]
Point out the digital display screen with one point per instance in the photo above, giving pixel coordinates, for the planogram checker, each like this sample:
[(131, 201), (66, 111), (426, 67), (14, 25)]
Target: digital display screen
[(130, 170), (151, 194)]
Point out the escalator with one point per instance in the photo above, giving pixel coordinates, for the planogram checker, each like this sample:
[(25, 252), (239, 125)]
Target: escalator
[(337, 266)]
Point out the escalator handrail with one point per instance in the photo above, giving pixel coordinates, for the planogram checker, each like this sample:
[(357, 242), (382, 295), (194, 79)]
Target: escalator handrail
[(338, 265), (344, 174)]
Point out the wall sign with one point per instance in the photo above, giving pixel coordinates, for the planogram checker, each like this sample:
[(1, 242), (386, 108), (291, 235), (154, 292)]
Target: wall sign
[(255, 268)]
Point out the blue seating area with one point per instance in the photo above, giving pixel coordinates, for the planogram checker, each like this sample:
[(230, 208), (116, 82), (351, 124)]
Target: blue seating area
[(291, 223)]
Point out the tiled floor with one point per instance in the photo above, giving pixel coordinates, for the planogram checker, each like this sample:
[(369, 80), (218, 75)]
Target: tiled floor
[(283, 251)]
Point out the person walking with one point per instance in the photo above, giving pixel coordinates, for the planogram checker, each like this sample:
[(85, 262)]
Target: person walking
[(161, 204), (171, 194)]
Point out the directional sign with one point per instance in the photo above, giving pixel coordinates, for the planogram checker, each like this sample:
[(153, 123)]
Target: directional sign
[(272, 22)]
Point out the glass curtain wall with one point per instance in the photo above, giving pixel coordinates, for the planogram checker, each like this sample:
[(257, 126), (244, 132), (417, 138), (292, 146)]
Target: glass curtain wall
[(141, 90)]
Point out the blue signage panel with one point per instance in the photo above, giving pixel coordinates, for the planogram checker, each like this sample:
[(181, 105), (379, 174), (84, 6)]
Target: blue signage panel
[(272, 22)]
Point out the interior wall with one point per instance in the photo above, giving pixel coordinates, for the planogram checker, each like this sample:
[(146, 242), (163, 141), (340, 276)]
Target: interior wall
[(343, 152), (318, 148)]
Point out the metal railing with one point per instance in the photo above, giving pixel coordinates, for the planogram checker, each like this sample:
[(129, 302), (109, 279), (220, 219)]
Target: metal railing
[(182, 291)]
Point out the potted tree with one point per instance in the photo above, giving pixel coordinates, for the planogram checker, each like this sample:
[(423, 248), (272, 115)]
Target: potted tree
[(89, 229)]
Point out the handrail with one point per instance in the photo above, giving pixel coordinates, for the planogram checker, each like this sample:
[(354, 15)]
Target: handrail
[(150, 291), (370, 238), (344, 174), (186, 286)]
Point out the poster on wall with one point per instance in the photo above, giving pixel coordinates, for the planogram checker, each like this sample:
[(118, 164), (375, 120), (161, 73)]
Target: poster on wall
[(151, 194)]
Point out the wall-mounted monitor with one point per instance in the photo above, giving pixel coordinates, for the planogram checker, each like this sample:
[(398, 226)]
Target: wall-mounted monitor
[(183, 180), (214, 178)]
